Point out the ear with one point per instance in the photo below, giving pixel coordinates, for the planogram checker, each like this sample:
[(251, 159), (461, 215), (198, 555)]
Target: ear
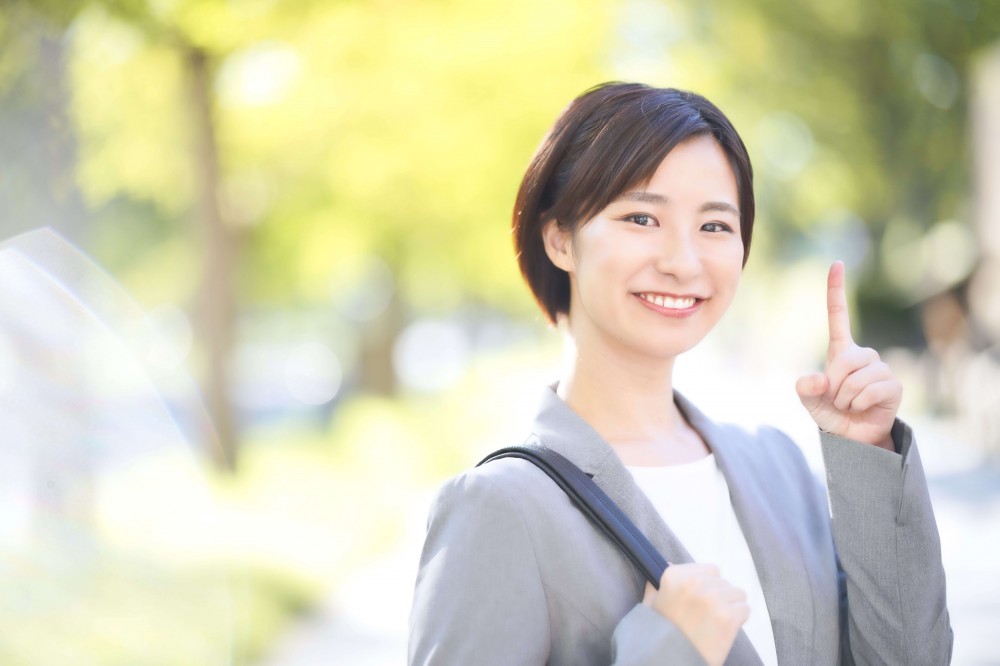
[(558, 245)]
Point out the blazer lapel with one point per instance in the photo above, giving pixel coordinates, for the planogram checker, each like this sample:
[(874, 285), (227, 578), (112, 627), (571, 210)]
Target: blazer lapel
[(776, 554), (561, 429)]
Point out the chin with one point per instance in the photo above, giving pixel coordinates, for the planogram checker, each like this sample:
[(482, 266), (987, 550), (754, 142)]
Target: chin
[(663, 350)]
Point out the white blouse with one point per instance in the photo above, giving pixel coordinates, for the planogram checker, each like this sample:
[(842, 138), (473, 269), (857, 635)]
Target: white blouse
[(693, 499)]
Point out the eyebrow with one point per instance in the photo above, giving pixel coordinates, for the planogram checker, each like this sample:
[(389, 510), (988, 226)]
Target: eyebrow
[(654, 198)]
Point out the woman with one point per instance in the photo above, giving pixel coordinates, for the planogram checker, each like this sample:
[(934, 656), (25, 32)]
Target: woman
[(633, 223)]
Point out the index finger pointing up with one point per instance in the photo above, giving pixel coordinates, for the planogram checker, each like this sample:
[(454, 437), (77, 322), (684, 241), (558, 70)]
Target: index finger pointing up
[(836, 306)]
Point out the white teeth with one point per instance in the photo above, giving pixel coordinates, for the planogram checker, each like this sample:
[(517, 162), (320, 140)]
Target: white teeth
[(668, 302)]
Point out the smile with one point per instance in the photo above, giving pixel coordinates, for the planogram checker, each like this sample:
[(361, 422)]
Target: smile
[(674, 303), (678, 307)]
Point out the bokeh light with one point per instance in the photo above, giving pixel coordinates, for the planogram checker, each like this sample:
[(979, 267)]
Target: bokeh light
[(313, 374), (431, 355)]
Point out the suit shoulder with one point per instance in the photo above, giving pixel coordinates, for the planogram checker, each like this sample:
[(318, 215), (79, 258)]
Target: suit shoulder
[(779, 439), (763, 437), (770, 450), (499, 484)]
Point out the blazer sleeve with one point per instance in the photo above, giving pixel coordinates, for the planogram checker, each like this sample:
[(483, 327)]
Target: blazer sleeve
[(479, 598), (480, 595), (889, 550), (646, 638)]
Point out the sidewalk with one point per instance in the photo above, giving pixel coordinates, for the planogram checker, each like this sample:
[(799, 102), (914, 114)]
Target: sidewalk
[(364, 624)]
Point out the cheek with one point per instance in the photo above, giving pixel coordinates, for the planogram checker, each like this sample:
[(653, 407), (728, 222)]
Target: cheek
[(729, 269), (601, 259), (600, 278)]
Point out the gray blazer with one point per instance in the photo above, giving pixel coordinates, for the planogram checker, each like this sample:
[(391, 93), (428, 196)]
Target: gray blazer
[(513, 573)]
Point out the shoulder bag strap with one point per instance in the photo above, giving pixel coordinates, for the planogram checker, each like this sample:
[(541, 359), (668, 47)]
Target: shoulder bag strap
[(595, 503)]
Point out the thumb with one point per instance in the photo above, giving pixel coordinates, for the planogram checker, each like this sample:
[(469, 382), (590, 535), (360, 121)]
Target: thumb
[(811, 389)]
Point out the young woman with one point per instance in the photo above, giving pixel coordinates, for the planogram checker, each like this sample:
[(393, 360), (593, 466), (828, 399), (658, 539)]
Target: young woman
[(633, 223)]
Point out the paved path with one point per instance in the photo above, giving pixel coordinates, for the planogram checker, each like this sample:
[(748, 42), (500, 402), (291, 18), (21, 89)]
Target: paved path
[(364, 624)]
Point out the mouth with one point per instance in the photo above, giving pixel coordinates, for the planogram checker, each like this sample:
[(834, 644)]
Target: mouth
[(670, 305), (670, 301)]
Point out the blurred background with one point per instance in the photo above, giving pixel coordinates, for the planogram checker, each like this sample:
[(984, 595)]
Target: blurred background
[(277, 302)]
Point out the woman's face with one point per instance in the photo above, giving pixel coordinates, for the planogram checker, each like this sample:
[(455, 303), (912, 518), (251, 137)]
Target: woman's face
[(655, 270)]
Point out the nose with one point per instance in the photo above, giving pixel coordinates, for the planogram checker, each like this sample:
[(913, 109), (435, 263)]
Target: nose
[(678, 256)]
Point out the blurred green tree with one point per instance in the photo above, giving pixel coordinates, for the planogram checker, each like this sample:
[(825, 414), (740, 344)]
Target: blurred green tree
[(364, 156), (148, 139), (150, 133), (333, 140), (401, 145)]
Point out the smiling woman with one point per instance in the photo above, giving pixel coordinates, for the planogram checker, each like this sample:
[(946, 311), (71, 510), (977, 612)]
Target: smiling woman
[(632, 226)]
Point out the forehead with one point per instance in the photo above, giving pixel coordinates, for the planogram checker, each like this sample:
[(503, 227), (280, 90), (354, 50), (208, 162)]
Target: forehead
[(696, 166)]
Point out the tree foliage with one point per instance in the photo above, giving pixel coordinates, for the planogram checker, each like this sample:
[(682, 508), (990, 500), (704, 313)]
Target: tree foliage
[(358, 134)]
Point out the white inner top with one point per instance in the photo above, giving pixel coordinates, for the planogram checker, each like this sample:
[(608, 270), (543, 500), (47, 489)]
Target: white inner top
[(694, 501)]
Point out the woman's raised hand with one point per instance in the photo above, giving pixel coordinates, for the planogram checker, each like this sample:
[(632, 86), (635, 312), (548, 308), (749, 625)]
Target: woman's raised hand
[(706, 609), (856, 396)]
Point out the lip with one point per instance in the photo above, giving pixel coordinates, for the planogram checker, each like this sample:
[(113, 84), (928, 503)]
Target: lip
[(671, 312)]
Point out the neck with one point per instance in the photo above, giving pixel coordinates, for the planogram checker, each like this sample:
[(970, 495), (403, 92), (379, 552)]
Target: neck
[(628, 398), (625, 397)]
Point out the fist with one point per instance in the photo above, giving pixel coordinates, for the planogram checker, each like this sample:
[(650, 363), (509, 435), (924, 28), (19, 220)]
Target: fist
[(856, 396), (706, 608)]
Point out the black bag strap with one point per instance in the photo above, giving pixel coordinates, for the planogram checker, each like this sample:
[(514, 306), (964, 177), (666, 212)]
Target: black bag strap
[(594, 502)]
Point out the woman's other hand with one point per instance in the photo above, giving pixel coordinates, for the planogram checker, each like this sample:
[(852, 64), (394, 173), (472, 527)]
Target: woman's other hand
[(856, 396), (707, 609)]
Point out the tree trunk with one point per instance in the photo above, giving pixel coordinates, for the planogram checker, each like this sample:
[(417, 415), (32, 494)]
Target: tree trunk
[(986, 143), (216, 321), (377, 374)]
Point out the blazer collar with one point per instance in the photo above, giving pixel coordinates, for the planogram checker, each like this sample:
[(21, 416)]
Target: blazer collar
[(559, 428)]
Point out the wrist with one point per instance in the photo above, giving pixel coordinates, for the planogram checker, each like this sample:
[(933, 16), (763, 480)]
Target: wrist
[(887, 443)]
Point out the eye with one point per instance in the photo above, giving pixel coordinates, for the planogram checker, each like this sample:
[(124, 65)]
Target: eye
[(716, 227), (642, 219)]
